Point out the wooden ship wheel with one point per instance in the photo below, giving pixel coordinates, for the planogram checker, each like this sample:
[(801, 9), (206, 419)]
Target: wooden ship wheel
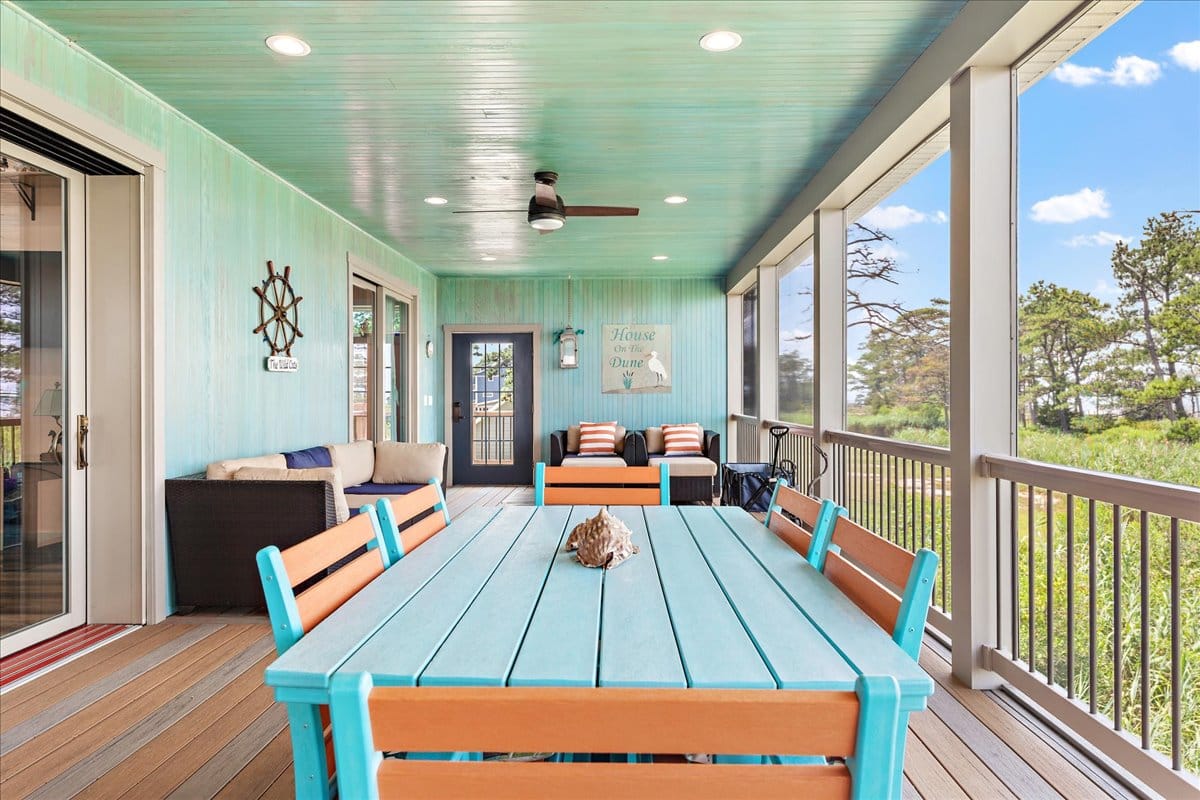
[(278, 316)]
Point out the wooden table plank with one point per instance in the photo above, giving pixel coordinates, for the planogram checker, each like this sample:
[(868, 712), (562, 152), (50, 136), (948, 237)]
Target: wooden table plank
[(715, 648), (860, 641), (797, 654), (560, 644), (639, 646), (397, 653), (481, 649), (311, 661)]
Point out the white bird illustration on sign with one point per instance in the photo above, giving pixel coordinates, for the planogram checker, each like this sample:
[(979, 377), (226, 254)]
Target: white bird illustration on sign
[(656, 366)]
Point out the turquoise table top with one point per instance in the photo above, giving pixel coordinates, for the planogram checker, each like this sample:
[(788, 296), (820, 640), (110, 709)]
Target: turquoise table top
[(713, 600)]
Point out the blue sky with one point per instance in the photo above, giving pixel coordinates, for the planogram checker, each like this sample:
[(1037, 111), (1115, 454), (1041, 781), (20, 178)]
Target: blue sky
[(1110, 139)]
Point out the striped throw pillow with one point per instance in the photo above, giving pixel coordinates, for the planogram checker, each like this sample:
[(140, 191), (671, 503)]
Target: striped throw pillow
[(683, 440), (598, 438)]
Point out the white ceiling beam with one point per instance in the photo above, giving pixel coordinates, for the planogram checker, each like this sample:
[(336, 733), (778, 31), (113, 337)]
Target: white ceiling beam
[(985, 33)]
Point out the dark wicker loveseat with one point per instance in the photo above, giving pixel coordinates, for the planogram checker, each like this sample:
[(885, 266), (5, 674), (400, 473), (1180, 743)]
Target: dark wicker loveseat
[(684, 488)]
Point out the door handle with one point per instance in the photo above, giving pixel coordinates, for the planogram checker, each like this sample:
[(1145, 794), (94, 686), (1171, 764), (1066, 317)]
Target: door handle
[(456, 412), (81, 460)]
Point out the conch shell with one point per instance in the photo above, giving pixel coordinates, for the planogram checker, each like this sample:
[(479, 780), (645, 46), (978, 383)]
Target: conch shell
[(602, 541)]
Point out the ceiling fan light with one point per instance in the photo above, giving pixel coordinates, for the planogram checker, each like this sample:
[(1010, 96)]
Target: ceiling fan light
[(720, 41), (545, 221)]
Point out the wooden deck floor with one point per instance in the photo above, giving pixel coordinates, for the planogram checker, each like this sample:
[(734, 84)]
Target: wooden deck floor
[(179, 710)]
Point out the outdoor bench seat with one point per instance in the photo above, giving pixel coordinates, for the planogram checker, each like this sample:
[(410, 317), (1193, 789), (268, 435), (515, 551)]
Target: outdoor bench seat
[(693, 478)]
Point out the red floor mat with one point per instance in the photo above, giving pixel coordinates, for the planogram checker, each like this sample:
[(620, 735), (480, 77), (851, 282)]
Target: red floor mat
[(45, 654)]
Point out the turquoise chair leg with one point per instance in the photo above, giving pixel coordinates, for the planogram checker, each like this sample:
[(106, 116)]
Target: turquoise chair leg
[(308, 751), (797, 760), (728, 759)]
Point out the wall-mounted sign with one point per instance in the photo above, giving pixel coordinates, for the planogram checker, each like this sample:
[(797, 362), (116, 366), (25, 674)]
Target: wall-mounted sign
[(636, 359), (282, 364), (279, 318)]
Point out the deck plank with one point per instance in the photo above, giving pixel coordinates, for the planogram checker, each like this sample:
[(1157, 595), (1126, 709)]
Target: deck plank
[(928, 775), (233, 757), (262, 771), (969, 770)]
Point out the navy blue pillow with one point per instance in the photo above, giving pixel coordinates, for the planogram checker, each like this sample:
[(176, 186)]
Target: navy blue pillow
[(311, 458)]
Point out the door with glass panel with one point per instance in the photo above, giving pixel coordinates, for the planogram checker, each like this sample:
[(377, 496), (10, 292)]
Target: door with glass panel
[(42, 395), (491, 407), (381, 390)]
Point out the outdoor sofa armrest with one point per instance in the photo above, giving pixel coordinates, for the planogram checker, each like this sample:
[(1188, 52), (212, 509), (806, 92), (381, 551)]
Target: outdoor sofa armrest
[(558, 447), (635, 454), (712, 446)]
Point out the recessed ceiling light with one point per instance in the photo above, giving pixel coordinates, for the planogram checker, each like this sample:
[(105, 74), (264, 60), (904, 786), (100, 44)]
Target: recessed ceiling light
[(436, 201), (286, 45), (487, 258), (675, 199), (720, 41), (659, 258)]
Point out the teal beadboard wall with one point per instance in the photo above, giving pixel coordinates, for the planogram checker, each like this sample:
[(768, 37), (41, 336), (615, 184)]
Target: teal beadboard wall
[(694, 308), (225, 216)]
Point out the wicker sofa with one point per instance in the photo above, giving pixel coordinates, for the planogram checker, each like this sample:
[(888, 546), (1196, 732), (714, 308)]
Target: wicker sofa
[(693, 478), (217, 521), (564, 450)]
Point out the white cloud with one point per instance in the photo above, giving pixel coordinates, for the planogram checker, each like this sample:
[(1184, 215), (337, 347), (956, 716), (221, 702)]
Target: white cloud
[(797, 334), (889, 250), (1135, 71), (1104, 289), (1126, 71), (893, 217), (1065, 208), (1098, 239), (1076, 75), (1187, 55)]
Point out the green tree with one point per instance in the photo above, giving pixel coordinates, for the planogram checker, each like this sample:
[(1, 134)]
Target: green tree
[(907, 362), (1158, 279), (1063, 333)]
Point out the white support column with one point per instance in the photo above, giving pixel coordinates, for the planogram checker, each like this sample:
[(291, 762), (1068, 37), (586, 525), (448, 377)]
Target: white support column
[(768, 354), (733, 370), (829, 330), (982, 346)]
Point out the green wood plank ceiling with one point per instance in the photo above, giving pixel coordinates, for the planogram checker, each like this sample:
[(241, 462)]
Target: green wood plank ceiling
[(466, 99)]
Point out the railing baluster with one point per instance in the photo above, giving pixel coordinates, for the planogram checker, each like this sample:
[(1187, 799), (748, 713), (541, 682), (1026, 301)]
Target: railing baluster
[(1117, 629), (1145, 614), (1071, 596), (1030, 582), (1049, 586), (1092, 622), (1176, 654), (1014, 590), (996, 517), (943, 559)]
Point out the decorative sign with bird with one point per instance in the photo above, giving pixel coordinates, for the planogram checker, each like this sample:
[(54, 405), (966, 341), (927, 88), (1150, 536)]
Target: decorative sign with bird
[(636, 359)]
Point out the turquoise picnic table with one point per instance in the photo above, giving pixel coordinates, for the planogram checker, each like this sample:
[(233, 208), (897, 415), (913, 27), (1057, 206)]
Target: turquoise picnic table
[(712, 601)]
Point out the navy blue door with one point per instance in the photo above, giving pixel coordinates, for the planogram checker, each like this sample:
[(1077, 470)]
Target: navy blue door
[(491, 407)]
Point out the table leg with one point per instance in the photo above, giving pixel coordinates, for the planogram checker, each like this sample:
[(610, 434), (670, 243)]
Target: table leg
[(308, 751)]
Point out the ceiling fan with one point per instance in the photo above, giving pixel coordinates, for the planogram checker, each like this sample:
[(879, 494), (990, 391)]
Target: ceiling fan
[(547, 213)]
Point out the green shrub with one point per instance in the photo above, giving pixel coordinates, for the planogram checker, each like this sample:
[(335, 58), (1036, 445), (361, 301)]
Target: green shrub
[(1185, 431)]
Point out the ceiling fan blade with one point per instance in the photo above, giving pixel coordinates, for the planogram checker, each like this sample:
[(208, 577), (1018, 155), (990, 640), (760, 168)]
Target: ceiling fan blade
[(494, 211), (600, 211)]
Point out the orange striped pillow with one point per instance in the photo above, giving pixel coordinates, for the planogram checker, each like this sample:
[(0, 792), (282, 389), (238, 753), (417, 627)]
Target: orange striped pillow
[(598, 438), (683, 440)]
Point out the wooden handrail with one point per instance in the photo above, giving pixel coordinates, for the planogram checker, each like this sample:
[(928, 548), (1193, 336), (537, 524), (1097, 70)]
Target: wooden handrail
[(796, 427), (1155, 497), (938, 456)]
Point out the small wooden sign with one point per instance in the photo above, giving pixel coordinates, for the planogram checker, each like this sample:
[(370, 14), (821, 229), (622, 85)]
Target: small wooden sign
[(283, 364)]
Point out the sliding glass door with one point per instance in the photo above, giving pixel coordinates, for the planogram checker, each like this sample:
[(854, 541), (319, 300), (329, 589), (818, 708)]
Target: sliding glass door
[(42, 380), (382, 403)]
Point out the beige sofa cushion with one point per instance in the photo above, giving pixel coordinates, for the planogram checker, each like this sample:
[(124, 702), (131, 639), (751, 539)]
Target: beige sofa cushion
[(654, 440), (331, 475), (406, 462), (356, 460), (687, 466), (223, 470), (573, 439), (594, 461)]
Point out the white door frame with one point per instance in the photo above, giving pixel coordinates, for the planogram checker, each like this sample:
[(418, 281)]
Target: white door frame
[(53, 112), (448, 332), (74, 403)]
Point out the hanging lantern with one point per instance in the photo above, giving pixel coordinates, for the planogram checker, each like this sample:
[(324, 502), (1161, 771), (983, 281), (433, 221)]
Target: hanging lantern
[(568, 348)]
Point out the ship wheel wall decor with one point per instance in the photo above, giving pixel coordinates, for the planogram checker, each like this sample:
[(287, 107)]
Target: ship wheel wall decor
[(278, 318)]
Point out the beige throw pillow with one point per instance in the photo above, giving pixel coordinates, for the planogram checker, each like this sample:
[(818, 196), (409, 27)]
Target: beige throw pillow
[(406, 462), (654, 440), (331, 475), (356, 460), (223, 470)]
